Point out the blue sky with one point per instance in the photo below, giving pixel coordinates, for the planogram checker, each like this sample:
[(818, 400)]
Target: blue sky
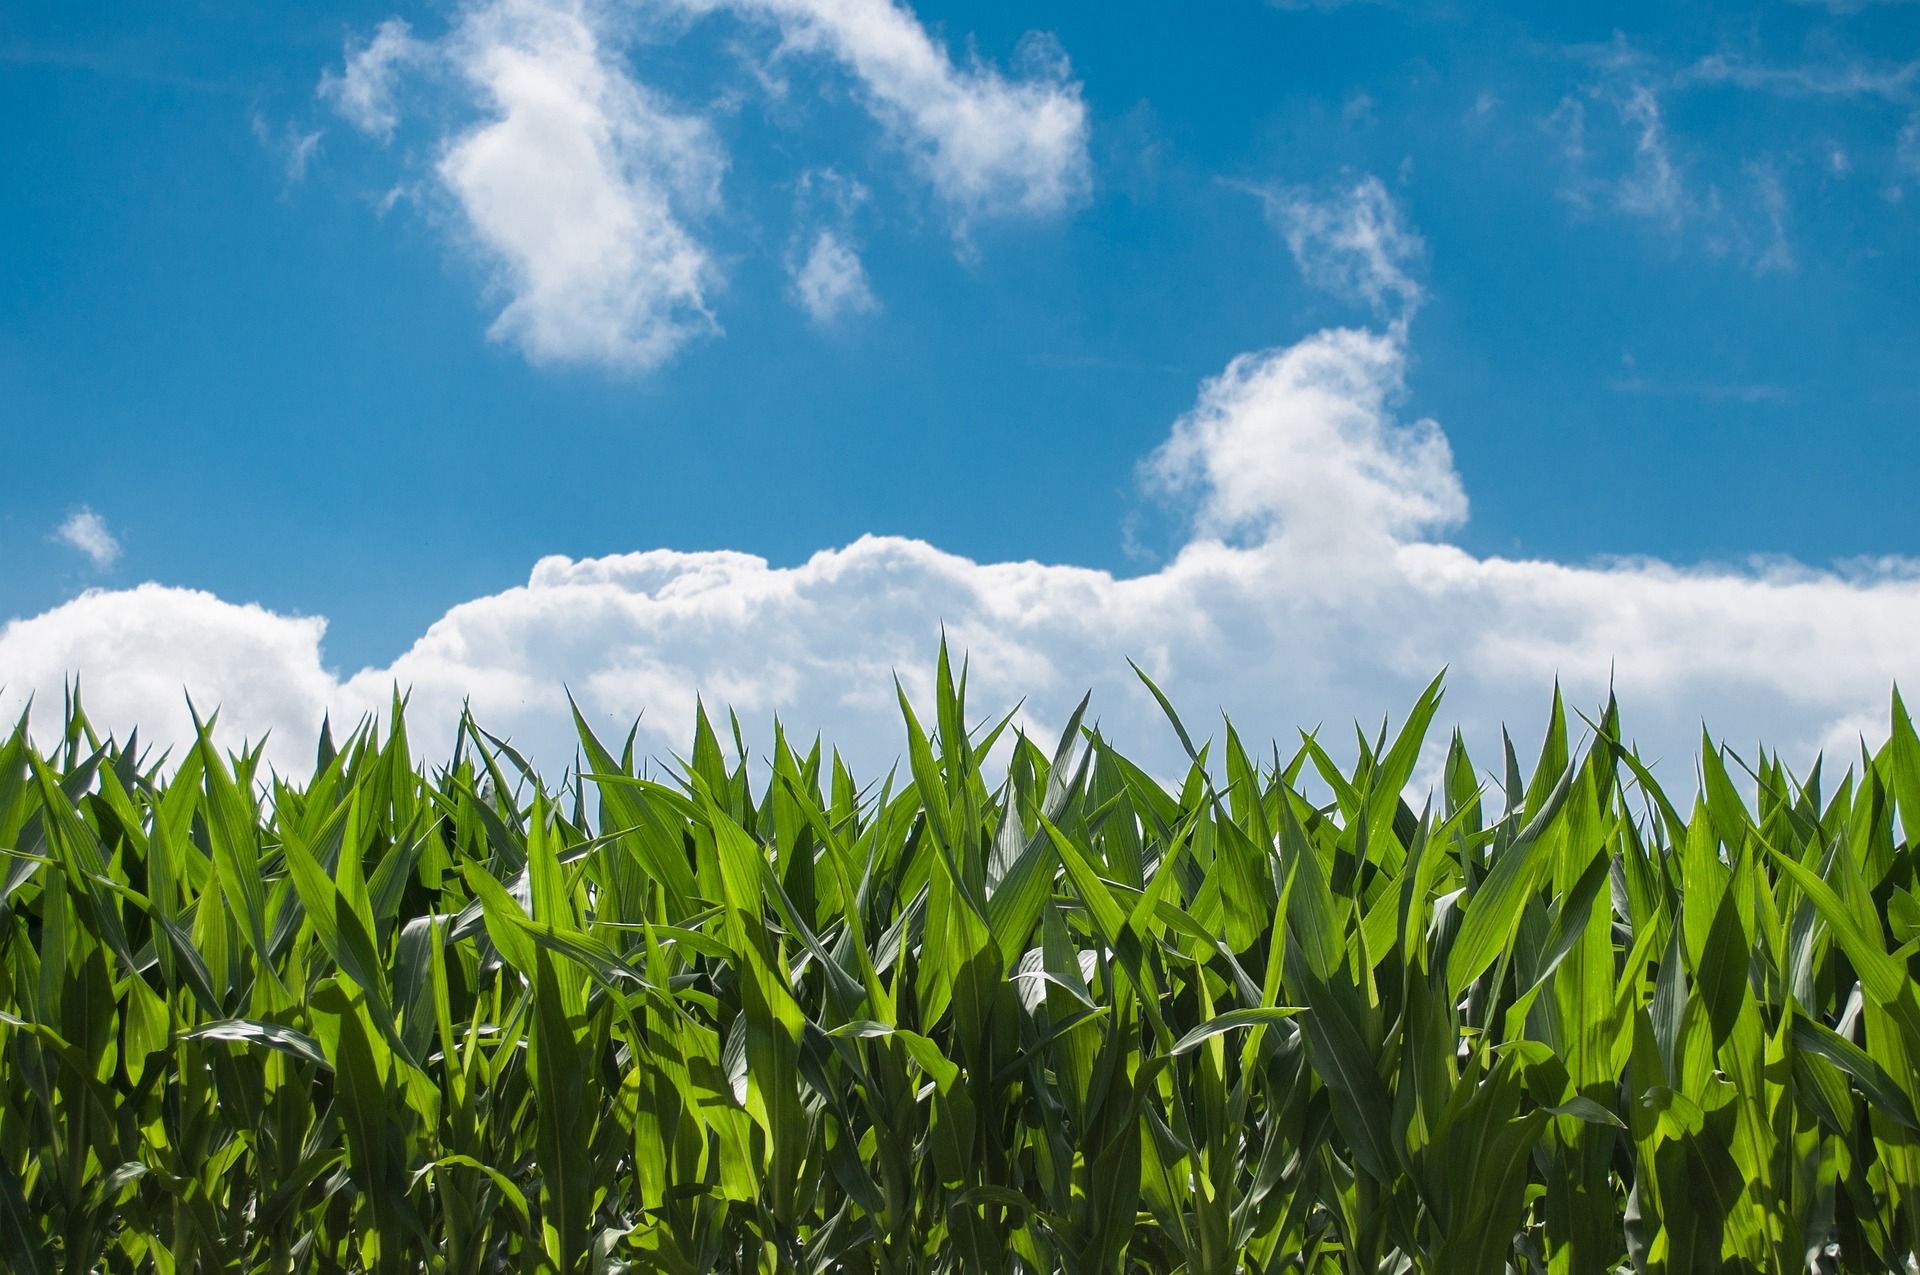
[(288, 316)]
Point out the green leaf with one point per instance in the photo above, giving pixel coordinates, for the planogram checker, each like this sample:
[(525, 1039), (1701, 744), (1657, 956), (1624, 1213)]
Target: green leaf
[(276, 1036)]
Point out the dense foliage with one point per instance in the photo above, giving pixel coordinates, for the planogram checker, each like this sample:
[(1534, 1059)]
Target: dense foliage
[(759, 1017)]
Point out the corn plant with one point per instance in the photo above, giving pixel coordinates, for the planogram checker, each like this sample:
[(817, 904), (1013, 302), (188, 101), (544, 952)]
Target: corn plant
[(1046, 1014)]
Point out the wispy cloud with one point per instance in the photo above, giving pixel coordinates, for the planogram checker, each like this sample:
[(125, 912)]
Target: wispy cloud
[(363, 90), (829, 281), (1895, 82), (1634, 380), (1707, 391), (1351, 240), (1773, 254), (1652, 187), (990, 145), (826, 277), (1849, 6), (1906, 148), (1620, 157), (293, 146), (87, 532), (130, 65), (1623, 160)]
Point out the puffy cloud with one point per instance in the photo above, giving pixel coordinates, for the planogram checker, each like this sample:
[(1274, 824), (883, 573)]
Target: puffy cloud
[(1298, 445), (87, 532), (1336, 603), (574, 191), (829, 282), (363, 90), (582, 190), (136, 651)]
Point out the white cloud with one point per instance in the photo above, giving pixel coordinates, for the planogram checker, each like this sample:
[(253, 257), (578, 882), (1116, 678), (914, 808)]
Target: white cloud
[(1894, 82), (582, 190), (989, 144), (1352, 241), (1336, 603), (1652, 187), (294, 148), (1750, 392), (574, 191), (300, 154), (1773, 254), (137, 650), (1850, 6), (829, 283), (1298, 445), (1620, 156), (87, 532), (363, 90)]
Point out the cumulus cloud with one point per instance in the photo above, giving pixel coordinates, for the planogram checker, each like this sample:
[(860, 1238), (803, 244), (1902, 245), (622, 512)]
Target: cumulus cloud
[(1299, 445), (574, 191), (583, 191), (1316, 585), (87, 532), (363, 90), (829, 282), (139, 651), (1333, 598)]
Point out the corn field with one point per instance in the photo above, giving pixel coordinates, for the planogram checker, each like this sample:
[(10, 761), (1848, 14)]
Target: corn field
[(752, 1014)]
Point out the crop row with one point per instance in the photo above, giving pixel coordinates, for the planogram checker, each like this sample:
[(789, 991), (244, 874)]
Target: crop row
[(749, 1014)]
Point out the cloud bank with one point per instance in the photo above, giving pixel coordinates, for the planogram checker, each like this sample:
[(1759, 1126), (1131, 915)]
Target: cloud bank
[(1314, 589), (1315, 586)]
